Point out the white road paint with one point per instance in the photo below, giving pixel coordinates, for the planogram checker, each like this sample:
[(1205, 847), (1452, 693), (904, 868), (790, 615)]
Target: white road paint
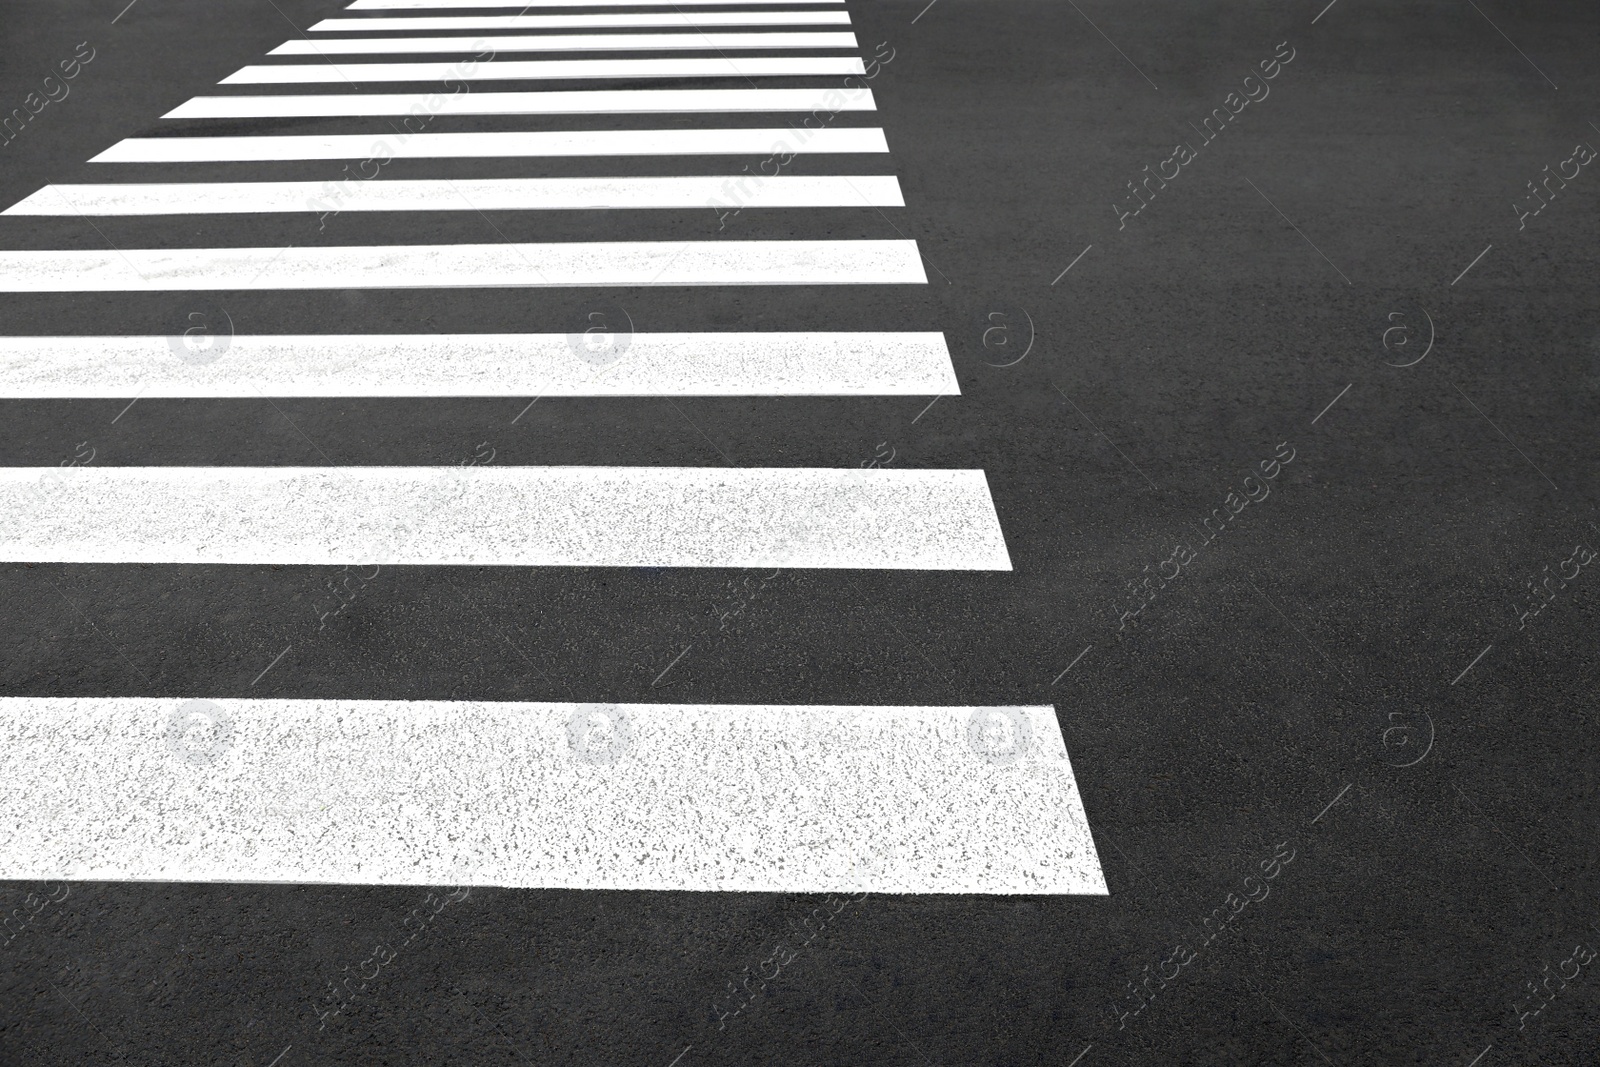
[(855, 518), (588, 42), (746, 798), (731, 142), (689, 21), (648, 263), (706, 798), (528, 5), (504, 365), (554, 102), (466, 194), (546, 70)]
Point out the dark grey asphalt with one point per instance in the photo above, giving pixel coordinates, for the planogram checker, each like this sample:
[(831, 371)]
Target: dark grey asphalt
[(1317, 651)]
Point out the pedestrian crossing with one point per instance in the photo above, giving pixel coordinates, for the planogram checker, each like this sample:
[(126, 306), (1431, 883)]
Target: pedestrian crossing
[(772, 364), (697, 20), (546, 69), (508, 517), (502, 144), (713, 798), (709, 798), (528, 5), (496, 194), (818, 40), (566, 263)]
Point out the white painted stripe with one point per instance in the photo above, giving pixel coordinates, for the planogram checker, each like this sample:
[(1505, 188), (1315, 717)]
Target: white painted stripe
[(487, 194), (642, 263), (447, 5), (504, 365), (734, 142), (875, 519), (693, 20), (706, 798), (592, 42), (553, 102), (546, 69)]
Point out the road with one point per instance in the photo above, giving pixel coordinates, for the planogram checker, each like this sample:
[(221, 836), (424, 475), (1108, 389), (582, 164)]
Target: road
[(1050, 566)]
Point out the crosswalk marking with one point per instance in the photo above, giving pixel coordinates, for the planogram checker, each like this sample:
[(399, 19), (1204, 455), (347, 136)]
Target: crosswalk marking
[(484, 194), (590, 42), (854, 518), (776, 798), (546, 69), (569, 263), (708, 798), (551, 102), (446, 5), (683, 20), (551, 69), (551, 365)]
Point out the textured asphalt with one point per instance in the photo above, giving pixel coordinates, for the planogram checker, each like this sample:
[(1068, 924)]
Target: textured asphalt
[(1340, 676)]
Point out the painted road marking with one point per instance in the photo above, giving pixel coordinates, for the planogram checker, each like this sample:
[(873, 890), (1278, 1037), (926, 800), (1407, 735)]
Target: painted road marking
[(487, 194), (876, 519), (645, 263), (591, 42), (547, 69), (505, 365), (691, 21), (705, 798), (781, 798), (485, 5), (553, 102)]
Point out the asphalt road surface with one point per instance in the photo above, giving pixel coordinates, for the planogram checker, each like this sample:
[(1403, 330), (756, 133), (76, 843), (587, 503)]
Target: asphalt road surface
[(798, 532)]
